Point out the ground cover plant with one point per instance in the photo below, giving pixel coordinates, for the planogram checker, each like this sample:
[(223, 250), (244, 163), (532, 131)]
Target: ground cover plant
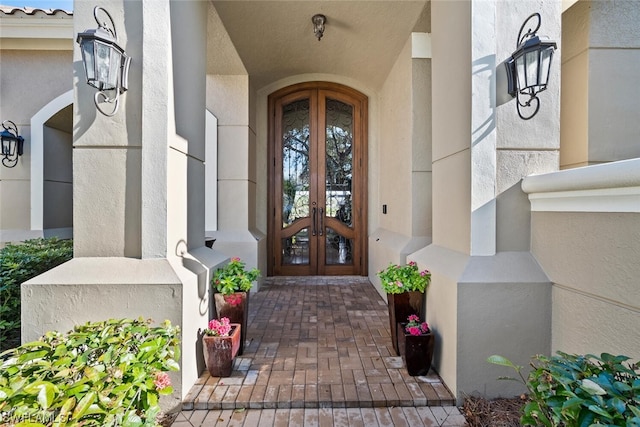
[(107, 373), (19, 263), (580, 390)]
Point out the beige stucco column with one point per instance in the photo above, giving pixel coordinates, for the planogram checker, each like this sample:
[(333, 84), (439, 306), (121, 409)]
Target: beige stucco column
[(138, 187), (400, 198), (600, 102), (230, 98), (488, 294)]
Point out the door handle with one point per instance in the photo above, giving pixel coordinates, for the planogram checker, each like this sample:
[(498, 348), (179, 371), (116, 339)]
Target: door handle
[(321, 221), (313, 221)]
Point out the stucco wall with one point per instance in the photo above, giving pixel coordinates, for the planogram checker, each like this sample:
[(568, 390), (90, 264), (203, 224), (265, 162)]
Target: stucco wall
[(596, 297), (599, 107), (107, 151), (395, 145), (228, 100), (404, 181), (20, 68), (451, 124)]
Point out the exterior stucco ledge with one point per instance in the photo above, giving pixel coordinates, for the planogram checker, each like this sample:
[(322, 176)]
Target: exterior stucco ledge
[(610, 187), (94, 289), (95, 270)]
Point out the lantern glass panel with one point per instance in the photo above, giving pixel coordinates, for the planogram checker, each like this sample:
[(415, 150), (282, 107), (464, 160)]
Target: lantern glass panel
[(532, 68), (6, 147), (9, 144), (116, 61), (87, 58), (545, 60), (106, 70), (520, 74)]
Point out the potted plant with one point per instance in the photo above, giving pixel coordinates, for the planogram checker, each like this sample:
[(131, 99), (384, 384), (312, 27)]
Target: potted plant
[(405, 287), (231, 285), (415, 344), (220, 344)]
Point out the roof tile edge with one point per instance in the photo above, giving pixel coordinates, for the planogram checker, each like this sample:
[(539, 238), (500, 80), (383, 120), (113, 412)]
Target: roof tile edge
[(12, 10)]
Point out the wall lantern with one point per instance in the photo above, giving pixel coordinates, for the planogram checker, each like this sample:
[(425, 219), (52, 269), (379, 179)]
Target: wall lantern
[(318, 25), (12, 144), (528, 68), (105, 63)]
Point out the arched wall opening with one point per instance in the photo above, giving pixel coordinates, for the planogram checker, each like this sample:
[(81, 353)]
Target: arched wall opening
[(52, 168)]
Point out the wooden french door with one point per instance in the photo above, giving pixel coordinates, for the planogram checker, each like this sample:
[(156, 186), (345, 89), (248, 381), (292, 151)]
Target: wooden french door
[(317, 180)]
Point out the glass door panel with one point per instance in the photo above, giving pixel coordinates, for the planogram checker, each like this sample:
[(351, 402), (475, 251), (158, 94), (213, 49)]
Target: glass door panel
[(338, 142), (295, 161)]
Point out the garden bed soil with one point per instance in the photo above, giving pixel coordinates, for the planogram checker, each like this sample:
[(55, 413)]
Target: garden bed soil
[(480, 412)]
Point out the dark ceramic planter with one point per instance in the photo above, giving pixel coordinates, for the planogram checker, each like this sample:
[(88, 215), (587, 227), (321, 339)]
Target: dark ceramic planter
[(235, 307), (401, 306), (416, 351), (220, 351)]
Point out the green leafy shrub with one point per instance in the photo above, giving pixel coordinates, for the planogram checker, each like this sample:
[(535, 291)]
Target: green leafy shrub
[(19, 263), (234, 277), (108, 373), (396, 279), (582, 391)]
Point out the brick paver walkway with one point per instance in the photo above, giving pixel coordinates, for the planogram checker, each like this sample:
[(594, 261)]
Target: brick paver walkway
[(319, 352)]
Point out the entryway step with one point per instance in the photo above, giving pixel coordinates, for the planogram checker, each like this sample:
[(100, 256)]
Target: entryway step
[(253, 389)]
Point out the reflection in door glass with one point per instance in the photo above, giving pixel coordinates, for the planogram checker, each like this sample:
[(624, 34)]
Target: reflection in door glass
[(295, 161), (295, 249), (339, 159), (338, 248)]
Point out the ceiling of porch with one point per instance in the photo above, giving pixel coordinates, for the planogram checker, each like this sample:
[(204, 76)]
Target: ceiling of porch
[(271, 40)]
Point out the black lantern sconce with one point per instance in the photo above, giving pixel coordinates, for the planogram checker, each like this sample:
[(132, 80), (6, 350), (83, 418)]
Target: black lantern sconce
[(12, 144), (106, 65), (528, 68)]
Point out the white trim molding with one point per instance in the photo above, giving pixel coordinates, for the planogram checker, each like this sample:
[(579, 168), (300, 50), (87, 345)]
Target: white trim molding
[(609, 187)]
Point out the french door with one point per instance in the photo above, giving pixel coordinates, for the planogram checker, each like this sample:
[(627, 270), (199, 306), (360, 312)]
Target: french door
[(317, 180)]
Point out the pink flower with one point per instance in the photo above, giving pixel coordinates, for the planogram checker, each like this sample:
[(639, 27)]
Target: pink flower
[(399, 284), (220, 327), (162, 380), (412, 263), (235, 259), (414, 330), (424, 273), (233, 299), (416, 327)]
